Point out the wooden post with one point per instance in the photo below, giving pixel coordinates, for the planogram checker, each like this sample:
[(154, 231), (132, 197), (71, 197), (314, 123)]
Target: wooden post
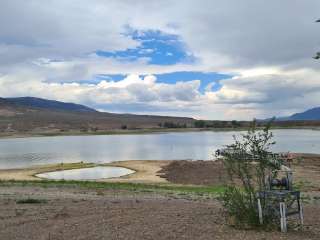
[(260, 211), (300, 211), (283, 219), (285, 216)]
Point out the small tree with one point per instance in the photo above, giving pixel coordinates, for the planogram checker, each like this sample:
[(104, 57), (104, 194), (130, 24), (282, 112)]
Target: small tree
[(200, 124), (248, 161)]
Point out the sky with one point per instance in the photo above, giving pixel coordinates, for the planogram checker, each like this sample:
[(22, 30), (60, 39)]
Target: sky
[(207, 59)]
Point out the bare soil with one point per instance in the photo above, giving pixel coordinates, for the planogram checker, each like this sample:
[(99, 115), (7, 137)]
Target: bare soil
[(195, 172), (105, 214), (306, 169), (78, 213)]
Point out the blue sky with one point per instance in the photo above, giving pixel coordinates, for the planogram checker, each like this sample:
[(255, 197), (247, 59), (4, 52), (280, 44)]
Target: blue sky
[(116, 55), (159, 48), (173, 77), (162, 49)]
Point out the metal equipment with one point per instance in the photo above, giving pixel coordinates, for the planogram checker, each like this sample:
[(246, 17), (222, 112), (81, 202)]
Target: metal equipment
[(279, 199)]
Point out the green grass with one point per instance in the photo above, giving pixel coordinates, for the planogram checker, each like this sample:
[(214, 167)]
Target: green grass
[(303, 186), (136, 187)]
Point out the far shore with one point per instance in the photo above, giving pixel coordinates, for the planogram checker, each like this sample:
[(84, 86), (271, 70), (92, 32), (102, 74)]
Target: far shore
[(55, 132)]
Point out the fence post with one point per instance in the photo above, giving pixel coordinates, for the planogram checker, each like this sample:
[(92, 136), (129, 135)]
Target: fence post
[(283, 219)]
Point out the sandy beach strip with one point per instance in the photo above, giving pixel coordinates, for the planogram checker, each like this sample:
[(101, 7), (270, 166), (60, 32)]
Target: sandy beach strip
[(145, 171)]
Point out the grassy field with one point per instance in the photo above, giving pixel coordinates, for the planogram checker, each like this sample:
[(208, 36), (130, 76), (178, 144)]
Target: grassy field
[(135, 187)]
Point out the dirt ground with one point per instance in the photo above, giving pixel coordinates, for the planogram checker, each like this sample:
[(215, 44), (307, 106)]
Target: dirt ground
[(78, 213), (87, 214), (306, 172), (195, 172)]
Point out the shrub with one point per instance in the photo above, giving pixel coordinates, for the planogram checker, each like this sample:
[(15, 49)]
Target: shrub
[(239, 207), (200, 124), (248, 161)]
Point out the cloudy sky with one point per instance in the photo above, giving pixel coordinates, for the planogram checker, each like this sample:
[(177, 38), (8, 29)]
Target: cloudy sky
[(208, 59)]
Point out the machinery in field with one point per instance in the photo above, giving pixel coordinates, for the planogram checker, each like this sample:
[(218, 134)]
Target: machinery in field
[(279, 199)]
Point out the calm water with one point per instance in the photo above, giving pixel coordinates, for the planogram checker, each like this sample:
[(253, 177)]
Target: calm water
[(87, 173), (23, 152)]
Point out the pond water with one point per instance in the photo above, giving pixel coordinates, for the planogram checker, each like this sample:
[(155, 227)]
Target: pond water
[(25, 152), (93, 173)]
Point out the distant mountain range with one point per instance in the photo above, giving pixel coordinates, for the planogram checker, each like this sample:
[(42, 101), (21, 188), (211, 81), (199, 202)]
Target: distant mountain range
[(47, 104), (36, 115), (308, 115)]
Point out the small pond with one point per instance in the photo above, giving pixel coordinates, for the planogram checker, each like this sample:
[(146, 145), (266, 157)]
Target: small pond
[(93, 173)]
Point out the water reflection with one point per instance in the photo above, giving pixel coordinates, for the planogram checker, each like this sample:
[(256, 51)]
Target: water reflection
[(24, 152)]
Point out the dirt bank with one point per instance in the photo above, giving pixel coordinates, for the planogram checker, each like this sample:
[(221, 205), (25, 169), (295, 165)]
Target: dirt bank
[(195, 172), (306, 169)]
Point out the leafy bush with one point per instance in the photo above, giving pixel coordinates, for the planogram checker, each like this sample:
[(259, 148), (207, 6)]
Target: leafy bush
[(248, 162), (239, 207)]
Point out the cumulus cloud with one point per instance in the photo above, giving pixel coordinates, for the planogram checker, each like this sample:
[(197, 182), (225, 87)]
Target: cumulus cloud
[(47, 49), (132, 89)]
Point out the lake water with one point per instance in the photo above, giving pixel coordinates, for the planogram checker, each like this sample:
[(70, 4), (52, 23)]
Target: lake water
[(24, 152), (87, 173)]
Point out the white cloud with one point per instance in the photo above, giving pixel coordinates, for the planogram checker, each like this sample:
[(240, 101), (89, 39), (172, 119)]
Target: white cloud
[(239, 97), (47, 50), (131, 89)]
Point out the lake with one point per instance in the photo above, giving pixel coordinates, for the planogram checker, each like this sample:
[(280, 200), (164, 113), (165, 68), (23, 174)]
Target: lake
[(25, 152)]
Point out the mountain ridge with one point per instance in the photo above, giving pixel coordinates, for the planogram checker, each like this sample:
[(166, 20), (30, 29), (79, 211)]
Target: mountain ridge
[(308, 115), (28, 114), (47, 104)]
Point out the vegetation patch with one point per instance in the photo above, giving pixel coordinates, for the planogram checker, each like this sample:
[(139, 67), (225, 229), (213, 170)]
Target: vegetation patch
[(31, 201), (136, 187), (248, 162)]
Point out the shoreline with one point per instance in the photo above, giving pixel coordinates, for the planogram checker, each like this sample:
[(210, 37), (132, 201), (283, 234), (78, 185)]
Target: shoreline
[(139, 205), (141, 131), (146, 171), (170, 172)]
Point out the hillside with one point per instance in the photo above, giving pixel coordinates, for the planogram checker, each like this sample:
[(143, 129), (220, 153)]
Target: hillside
[(311, 114), (24, 115), (33, 116), (48, 104)]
